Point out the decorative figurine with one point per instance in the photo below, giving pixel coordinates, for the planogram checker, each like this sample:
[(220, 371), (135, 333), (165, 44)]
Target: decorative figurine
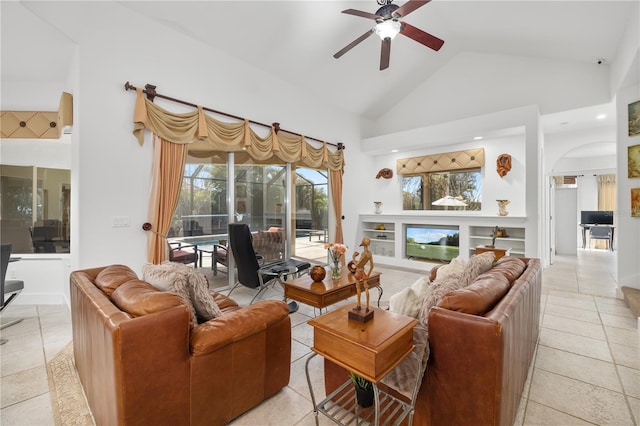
[(502, 207), (362, 281), (385, 173)]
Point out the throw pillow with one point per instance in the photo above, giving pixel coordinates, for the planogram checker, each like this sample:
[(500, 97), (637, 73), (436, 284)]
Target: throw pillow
[(477, 264), (188, 283), (439, 288), (456, 266), (408, 301), (165, 277)]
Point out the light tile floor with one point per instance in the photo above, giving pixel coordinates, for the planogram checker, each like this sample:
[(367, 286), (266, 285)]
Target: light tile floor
[(586, 368)]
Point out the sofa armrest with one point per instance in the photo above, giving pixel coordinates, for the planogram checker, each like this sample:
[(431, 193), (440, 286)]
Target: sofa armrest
[(237, 325)]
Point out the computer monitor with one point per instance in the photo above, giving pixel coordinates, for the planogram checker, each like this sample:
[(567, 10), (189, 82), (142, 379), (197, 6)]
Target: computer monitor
[(602, 217)]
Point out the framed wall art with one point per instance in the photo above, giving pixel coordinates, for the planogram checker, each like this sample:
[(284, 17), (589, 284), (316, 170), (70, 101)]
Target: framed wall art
[(633, 161), (634, 118), (635, 202)]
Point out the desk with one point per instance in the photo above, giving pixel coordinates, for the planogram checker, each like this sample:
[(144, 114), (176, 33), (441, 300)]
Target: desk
[(587, 226)]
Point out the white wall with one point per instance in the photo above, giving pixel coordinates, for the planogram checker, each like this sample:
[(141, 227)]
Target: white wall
[(111, 172), (466, 87), (628, 228)]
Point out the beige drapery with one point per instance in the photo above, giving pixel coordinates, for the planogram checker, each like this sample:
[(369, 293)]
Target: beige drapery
[(335, 180), (606, 198), (204, 134), (166, 179), (200, 135), (607, 192)]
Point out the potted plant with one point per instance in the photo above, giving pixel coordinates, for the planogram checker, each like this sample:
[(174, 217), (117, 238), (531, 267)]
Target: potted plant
[(364, 390)]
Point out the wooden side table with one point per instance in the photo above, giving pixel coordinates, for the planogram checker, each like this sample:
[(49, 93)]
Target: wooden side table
[(499, 252), (371, 350)]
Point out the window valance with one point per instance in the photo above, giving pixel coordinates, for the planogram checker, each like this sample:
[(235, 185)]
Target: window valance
[(458, 160), (205, 135)]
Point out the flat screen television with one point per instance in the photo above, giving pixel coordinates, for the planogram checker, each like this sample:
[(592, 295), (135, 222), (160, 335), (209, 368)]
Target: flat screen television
[(431, 242), (603, 217)]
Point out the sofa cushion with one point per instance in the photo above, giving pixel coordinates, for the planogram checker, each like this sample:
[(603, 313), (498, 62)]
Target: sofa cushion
[(510, 267), (111, 277), (479, 297), (138, 298), (187, 282)]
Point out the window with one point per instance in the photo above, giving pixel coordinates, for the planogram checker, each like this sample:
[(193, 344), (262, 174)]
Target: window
[(260, 201), (450, 190), (34, 210)]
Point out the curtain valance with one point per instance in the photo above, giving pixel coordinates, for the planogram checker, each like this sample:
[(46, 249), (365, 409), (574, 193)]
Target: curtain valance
[(205, 135), (458, 160)]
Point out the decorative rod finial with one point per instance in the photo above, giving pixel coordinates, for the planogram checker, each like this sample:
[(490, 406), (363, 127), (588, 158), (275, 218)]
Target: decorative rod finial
[(340, 146), (128, 86), (150, 91), (276, 127)]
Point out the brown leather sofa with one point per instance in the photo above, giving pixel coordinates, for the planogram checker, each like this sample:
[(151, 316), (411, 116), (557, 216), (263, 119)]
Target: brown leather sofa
[(479, 361), (143, 363)]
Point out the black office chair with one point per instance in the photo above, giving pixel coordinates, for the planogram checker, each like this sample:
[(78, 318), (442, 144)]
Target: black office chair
[(602, 233), (250, 273), (9, 287)]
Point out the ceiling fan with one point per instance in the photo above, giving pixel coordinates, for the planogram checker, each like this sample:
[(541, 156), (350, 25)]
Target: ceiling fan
[(388, 26)]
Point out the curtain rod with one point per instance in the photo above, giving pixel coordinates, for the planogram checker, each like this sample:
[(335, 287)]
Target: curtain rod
[(151, 93)]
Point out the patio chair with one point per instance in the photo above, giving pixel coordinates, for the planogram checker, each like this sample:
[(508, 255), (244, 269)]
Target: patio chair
[(183, 253)]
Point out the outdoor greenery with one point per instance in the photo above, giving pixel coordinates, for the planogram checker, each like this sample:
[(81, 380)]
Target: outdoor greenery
[(420, 191)]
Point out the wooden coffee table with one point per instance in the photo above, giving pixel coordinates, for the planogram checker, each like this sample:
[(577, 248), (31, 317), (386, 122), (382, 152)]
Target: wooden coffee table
[(326, 293)]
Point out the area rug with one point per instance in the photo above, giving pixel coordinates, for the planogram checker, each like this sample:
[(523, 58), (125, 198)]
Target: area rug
[(68, 402)]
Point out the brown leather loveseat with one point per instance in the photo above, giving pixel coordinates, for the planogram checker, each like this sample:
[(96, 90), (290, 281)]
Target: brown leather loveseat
[(481, 339), (144, 364)]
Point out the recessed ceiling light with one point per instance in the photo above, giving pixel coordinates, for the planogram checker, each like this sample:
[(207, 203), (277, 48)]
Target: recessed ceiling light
[(564, 123), (394, 150), (601, 116), (477, 138)]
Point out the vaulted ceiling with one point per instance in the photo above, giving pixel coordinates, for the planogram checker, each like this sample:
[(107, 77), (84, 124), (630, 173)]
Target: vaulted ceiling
[(295, 40)]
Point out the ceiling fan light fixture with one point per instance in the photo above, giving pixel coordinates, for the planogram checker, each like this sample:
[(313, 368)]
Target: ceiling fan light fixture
[(388, 29)]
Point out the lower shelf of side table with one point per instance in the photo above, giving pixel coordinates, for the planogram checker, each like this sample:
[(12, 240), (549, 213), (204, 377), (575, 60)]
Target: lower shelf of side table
[(341, 407)]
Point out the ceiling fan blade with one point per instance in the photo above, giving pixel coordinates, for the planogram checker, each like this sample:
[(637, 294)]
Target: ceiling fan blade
[(385, 53), (409, 7), (362, 14), (421, 37), (353, 44)]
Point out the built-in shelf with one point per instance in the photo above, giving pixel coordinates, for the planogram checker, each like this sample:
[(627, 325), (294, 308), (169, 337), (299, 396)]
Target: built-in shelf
[(382, 240), (483, 235)]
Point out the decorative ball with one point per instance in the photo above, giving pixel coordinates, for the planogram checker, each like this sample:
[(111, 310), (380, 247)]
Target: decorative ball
[(317, 273)]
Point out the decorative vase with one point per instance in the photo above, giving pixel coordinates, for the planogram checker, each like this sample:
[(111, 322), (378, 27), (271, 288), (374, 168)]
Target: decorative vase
[(317, 273), (378, 205), (502, 207), (335, 269), (364, 397)]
